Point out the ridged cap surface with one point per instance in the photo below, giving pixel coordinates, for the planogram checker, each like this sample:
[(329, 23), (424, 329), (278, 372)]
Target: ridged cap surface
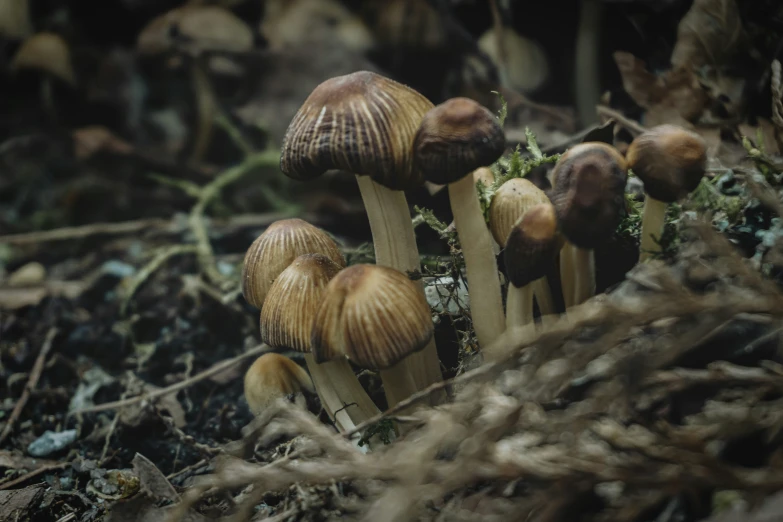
[(455, 138), (293, 300), (273, 376), (275, 249), (509, 203), (669, 160), (533, 245), (589, 193), (361, 122), (373, 315)]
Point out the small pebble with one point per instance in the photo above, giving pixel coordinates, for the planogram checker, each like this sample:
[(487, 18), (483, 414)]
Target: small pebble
[(30, 274), (51, 442)]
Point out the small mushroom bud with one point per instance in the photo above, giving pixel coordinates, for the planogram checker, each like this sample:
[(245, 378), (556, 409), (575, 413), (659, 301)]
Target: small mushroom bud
[(670, 161), (376, 317), (531, 249), (454, 139), (275, 249), (589, 197), (287, 322), (509, 203), (273, 376)]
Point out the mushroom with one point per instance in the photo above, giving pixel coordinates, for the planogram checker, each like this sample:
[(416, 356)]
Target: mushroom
[(275, 249), (376, 317), (364, 123), (670, 161), (47, 53), (588, 191), (287, 322), (454, 139), (509, 204), (197, 29), (531, 248), (524, 61), (273, 376)]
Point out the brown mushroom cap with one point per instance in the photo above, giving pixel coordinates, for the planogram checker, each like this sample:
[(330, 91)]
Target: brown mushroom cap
[(360, 122), (669, 160), (509, 203), (292, 302), (455, 138), (46, 52), (589, 193), (532, 245), (202, 27), (373, 315), (273, 376), (275, 249)]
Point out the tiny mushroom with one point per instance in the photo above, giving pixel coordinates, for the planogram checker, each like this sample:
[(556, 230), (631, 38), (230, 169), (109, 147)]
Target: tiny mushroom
[(509, 204), (531, 248), (589, 195), (364, 123), (275, 249), (454, 139), (48, 54), (376, 317), (273, 376), (670, 161), (287, 322)]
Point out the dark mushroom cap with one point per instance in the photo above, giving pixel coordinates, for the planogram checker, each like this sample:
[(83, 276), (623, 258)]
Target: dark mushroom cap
[(532, 245), (455, 138), (275, 249), (669, 160), (373, 315), (361, 122), (509, 203), (292, 302), (589, 192)]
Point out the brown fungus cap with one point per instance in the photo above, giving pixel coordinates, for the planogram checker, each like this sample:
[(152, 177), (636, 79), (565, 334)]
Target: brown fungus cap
[(509, 203), (363, 123), (273, 376), (455, 138), (669, 160), (373, 315), (292, 302), (532, 245), (48, 53), (275, 249), (589, 192)]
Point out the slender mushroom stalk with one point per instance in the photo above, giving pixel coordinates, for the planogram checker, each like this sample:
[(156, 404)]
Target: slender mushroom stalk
[(273, 376), (456, 138), (376, 317), (670, 161), (531, 248), (589, 196), (364, 123), (509, 204), (287, 320)]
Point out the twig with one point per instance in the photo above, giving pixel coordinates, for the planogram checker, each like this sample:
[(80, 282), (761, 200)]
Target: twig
[(632, 126), (148, 269), (209, 372), (201, 463), (34, 473), (32, 382), (188, 439), (59, 234)]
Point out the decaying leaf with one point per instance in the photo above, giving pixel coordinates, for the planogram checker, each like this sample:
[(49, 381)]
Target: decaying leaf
[(709, 34), (11, 460), (142, 508), (672, 97), (153, 481), (136, 414), (91, 140), (15, 503), (770, 511)]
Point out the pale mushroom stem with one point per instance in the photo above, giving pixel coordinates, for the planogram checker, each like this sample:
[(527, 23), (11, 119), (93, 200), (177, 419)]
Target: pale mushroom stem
[(652, 227), (519, 306), (341, 393), (543, 294), (584, 265), (395, 246), (486, 302), (568, 274)]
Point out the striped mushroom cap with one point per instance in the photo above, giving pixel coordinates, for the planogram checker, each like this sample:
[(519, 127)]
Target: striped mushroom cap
[(589, 192), (275, 249), (373, 315), (292, 302), (363, 123)]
